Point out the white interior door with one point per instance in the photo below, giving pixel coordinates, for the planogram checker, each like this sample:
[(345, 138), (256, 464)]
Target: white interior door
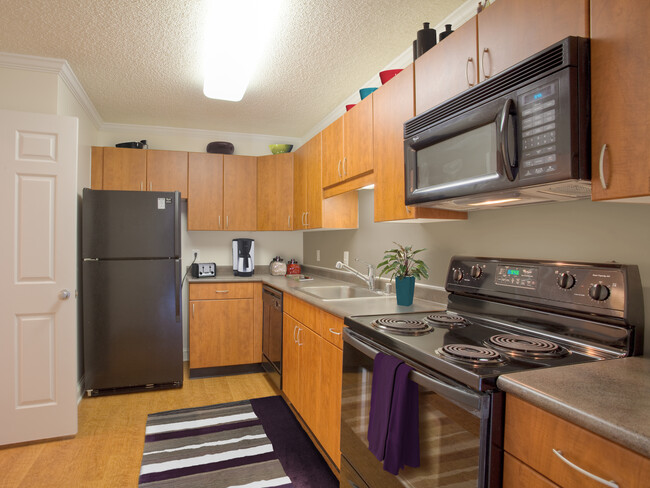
[(38, 330)]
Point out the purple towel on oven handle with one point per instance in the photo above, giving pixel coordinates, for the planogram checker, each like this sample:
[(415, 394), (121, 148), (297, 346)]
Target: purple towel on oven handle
[(403, 440), (381, 396)]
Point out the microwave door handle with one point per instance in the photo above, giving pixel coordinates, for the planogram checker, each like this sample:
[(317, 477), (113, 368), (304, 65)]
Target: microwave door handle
[(503, 138), (464, 398)]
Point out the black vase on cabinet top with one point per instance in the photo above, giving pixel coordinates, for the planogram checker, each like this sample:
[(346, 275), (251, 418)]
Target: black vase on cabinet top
[(446, 32), (426, 39)]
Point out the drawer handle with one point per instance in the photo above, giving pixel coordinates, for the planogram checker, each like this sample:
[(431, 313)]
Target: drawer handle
[(334, 332), (610, 483), (222, 291), (601, 167)]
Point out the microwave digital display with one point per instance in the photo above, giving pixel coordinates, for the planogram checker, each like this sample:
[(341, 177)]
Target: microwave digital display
[(539, 94)]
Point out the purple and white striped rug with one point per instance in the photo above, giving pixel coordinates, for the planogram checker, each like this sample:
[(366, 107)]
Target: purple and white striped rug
[(249, 444)]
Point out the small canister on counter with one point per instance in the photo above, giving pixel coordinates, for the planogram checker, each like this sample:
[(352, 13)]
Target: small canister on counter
[(293, 267), (278, 267)]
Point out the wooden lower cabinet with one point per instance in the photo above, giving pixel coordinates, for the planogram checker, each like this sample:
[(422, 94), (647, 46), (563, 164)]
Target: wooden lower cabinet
[(530, 437), (311, 371)]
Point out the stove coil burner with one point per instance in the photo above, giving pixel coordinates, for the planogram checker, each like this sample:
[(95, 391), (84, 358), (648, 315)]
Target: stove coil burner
[(402, 326), (525, 346), (446, 319), (476, 355)]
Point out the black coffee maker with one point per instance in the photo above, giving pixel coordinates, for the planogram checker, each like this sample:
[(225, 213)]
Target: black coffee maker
[(243, 257)]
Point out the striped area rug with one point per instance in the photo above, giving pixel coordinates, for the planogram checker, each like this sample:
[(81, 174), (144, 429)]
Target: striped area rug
[(218, 446)]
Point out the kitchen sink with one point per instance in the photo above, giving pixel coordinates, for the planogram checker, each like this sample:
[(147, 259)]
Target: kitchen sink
[(339, 292)]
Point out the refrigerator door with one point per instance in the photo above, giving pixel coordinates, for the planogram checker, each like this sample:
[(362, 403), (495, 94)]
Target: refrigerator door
[(130, 224), (132, 323)]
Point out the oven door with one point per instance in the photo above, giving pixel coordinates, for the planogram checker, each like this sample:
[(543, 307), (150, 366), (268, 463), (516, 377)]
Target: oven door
[(469, 154), (460, 446)]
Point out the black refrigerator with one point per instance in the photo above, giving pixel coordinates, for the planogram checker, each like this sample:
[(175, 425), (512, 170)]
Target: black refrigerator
[(132, 326)]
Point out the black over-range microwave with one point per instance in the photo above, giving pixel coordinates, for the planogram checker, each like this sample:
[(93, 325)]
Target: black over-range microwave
[(520, 137)]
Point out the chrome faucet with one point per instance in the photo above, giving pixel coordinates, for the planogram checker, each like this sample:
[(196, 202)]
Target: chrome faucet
[(369, 279)]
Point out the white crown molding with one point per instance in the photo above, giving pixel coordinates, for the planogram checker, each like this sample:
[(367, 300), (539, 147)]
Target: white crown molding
[(458, 17)]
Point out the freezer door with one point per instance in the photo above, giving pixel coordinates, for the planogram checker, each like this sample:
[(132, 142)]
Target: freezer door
[(132, 323), (130, 224)]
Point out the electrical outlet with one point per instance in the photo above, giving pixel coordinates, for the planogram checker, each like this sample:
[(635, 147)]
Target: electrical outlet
[(317, 255), (346, 257), (195, 254)]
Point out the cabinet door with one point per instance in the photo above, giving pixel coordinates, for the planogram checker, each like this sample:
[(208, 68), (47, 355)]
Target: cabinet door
[(330, 416), (205, 192), (447, 69), (240, 192), (221, 333), (275, 192), (511, 30), (310, 162), (333, 153), (290, 359), (620, 106), (124, 169), (393, 105), (300, 187), (97, 168), (357, 140), (309, 344), (167, 171)]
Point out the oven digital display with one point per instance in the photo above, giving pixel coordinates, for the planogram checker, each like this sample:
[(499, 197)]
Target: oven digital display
[(516, 276)]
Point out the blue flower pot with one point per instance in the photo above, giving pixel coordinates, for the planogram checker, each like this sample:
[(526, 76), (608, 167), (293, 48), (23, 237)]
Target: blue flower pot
[(405, 287)]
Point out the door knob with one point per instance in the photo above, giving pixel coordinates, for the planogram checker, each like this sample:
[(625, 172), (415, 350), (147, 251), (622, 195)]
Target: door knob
[(64, 294)]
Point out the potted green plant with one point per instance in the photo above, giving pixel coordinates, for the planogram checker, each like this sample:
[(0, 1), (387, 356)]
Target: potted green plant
[(404, 267)]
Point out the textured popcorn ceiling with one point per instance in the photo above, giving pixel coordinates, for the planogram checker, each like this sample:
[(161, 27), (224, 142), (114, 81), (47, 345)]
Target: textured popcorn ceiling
[(140, 60)]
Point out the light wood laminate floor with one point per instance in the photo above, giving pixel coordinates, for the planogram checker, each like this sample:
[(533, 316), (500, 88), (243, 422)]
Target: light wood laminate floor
[(108, 447)]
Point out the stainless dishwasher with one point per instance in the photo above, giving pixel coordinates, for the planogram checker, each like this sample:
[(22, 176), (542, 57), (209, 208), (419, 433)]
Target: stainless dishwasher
[(272, 334)]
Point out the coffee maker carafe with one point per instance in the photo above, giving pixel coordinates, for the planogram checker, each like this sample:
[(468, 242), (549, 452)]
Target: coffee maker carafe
[(243, 257)]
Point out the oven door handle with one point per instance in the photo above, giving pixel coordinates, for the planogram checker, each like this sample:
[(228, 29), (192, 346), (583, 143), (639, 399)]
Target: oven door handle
[(465, 398)]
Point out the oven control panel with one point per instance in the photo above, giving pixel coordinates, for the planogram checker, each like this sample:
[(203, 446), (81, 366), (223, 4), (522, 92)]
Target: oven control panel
[(607, 289)]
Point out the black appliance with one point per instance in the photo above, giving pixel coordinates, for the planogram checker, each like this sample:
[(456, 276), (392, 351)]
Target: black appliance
[(131, 248), (272, 334), (520, 137), (243, 257), (502, 316), (203, 270)]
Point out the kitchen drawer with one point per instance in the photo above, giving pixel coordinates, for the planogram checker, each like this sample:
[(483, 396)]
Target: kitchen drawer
[(303, 312), (332, 328), (221, 291), (531, 434), (516, 474)]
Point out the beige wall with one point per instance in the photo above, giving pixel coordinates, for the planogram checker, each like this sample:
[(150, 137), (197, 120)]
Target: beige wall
[(575, 231), (28, 91)]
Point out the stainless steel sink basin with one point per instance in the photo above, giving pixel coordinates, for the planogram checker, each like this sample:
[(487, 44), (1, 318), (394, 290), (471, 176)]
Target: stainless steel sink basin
[(339, 292)]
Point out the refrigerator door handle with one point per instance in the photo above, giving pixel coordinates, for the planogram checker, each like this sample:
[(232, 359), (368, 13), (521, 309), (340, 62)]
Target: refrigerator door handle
[(177, 282)]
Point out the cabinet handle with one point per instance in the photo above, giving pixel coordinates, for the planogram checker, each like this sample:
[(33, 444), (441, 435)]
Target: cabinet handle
[(295, 327), (299, 331), (345, 170), (339, 169), (611, 484), (141, 186), (151, 186), (334, 332), (222, 291), (485, 51), (220, 221), (289, 222), (469, 61), (227, 221), (601, 167), (192, 310), (306, 219)]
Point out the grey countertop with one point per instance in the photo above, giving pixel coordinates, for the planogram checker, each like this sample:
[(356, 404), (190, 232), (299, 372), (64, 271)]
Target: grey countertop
[(610, 398), (341, 308)]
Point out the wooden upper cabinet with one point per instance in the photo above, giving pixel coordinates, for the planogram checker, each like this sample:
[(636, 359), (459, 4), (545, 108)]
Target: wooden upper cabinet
[(300, 187), (124, 169), (357, 139), (509, 31), (97, 168), (205, 192), (620, 106), (446, 69), (393, 105), (275, 192), (307, 209), (240, 192), (167, 171), (333, 153)]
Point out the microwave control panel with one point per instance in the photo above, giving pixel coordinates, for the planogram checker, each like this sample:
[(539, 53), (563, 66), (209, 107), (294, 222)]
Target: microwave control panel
[(539, 110)]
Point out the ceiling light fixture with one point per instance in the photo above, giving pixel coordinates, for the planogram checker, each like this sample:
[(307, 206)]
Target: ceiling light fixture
[(236, 33)]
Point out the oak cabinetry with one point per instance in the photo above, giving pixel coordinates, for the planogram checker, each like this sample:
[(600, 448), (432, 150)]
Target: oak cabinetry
[(333, 153), (275, 192), (531, 435), (312, 370), (222, 192), (115, 168), (394, 105), (222, 325), (620, 106), (506, 32), (310, 210)]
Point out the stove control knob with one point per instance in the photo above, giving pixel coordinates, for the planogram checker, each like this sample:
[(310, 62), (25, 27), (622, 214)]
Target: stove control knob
[(476, 272), (566, 280), (457, 275), (599, 292)]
